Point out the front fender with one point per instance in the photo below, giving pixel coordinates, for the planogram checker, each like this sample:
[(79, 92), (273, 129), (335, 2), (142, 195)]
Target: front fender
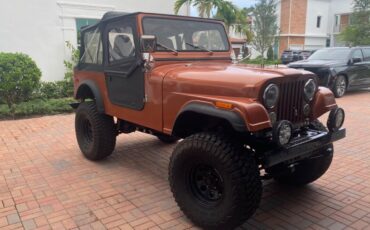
[(324, 102), (244, 116)]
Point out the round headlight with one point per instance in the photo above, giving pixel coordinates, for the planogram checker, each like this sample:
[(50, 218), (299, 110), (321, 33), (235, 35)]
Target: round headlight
[(336, 119), (282, 132), (310, 89), (271, 95)]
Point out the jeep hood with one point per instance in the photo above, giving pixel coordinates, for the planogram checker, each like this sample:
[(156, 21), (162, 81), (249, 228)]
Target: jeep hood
[(222, 79)]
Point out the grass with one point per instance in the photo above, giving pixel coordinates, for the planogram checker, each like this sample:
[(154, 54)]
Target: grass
[(37, 107)]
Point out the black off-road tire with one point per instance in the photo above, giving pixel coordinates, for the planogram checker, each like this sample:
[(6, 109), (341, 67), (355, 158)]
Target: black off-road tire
[(96, 133), (238, 186), (340, 86), (167, 138), (311, 169)]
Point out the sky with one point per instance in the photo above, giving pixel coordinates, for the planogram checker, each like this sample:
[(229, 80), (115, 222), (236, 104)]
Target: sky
[(239, 3), (244, 3)]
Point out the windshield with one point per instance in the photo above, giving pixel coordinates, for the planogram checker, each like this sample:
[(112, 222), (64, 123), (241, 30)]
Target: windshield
[(330, 54), (186, 35)]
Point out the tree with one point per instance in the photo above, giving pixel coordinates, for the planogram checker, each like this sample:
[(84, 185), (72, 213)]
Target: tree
[(358, 32), (270, 53), (228, 13), (204, 7), (264, 27), (242, 24)]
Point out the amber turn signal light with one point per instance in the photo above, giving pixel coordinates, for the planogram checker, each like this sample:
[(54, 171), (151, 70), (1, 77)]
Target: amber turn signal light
[(224, 105)]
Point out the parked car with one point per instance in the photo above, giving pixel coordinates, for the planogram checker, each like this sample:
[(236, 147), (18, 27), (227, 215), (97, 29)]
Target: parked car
[(289, 56), (304, 54), (339, 69), (172, 77)]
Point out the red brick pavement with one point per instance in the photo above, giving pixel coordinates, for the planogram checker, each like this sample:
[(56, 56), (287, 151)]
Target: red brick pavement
[(46, 183)]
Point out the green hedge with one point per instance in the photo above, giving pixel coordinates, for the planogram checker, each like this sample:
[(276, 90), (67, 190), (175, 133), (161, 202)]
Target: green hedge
[(57, 89), (23, 94), (36, 107), (258, 61)]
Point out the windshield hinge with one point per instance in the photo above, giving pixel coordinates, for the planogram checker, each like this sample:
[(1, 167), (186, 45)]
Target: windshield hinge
[(145, 99)]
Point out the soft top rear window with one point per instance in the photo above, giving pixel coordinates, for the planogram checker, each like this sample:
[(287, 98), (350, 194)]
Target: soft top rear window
[(91, 50)]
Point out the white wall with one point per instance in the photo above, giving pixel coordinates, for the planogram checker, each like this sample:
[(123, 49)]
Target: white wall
[(317, 8), (315, 38), (314, 43), (40, 28), (338, 7)]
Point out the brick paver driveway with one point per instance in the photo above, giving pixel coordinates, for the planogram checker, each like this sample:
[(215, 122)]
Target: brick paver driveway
[(46, 183)]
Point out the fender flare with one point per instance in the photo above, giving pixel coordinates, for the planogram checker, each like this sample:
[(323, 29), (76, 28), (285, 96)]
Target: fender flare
[(83, 92), (232, 117)]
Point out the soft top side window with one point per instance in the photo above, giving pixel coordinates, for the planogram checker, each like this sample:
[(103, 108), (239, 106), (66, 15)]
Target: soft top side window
[(121, 42), (92, 51)]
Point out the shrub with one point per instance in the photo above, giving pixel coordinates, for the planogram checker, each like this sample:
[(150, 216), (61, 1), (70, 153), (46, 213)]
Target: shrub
[(259, 61), (37, 107), (70, 64), (49, 90), (66, 88), (57, 89), (270, 53), (19, 77)]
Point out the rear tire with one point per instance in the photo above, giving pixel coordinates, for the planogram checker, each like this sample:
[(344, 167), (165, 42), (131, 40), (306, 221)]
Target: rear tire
[(215, 182), (340, 86), (308, 170), (95, 132)]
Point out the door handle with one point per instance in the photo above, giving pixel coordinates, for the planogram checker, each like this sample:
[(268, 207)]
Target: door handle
[(115, 72), (127, 73)]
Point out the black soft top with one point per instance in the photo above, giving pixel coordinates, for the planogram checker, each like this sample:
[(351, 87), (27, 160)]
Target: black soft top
[(116, 14), (108, 16)]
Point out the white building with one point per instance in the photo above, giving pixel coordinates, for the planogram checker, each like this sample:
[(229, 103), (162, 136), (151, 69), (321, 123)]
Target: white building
[(41, 28), (311, 24)]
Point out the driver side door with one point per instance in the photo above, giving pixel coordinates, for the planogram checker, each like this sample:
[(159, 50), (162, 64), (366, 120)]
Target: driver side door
[(124, 76), (357, 69)]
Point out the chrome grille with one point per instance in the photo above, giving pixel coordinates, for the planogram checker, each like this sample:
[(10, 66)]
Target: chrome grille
[(291, 101)]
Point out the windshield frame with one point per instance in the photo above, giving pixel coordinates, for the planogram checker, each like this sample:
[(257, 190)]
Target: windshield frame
[(342, 59), (193, 19)]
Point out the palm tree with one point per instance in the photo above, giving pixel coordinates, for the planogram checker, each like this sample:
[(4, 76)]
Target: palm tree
[(204, 7), (228, 13), (241, 23)]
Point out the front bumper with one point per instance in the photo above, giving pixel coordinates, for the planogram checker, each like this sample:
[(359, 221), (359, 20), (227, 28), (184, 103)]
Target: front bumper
[(302, 147)]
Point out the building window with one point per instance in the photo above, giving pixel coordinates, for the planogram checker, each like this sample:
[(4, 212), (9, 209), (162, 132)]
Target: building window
[(337, 20), (81, 22), (318, 22)]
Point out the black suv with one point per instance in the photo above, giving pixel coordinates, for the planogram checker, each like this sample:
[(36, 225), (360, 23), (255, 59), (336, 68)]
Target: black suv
[(289, 56), (305, 54), (339, 68)]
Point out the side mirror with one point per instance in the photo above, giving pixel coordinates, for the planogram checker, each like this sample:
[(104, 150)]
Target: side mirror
[(356, 60), (148, 43)]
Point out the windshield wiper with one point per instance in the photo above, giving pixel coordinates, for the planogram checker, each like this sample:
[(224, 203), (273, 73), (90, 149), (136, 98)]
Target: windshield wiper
[(167, 48), (199, 47)]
